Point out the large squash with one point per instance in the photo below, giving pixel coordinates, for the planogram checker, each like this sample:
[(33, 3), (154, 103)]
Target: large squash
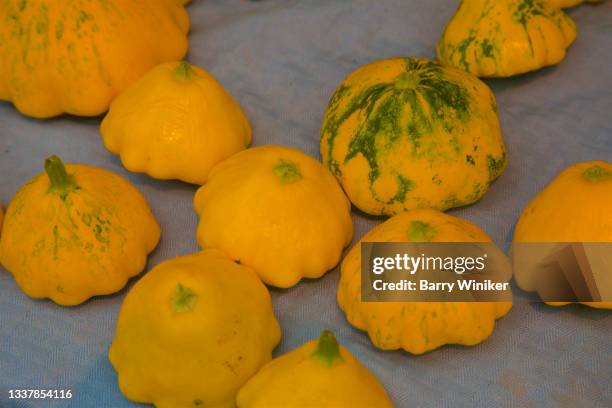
[(417, 327), (192, 331), (501, 38), (176, 122), (277, 210), (76, 231), (575, 207), (407, 133), (75, 56)]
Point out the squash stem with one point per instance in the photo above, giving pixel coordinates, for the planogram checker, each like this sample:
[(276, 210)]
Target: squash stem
[(183, 71), (60, 181), (328, 349)]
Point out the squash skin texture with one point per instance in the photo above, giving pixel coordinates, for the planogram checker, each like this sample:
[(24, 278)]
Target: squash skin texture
[(575, 207), (569, 3), (407, 133), (69, 245), (277, 210), (417, 327), (314, 376), (502, 38), (192, 331), (176, 122), (75, 57)]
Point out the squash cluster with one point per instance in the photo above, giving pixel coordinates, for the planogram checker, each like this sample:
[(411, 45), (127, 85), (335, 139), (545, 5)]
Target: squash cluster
[(407, 138)]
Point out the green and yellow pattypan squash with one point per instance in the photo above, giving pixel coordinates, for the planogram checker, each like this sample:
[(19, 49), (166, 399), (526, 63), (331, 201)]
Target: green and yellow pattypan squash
[(417, 327), (408, 133), (76, 231), (501, 38), (61, 56), (320, 373)]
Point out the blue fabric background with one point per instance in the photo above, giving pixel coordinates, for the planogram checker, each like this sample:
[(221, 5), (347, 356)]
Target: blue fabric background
[(282, 59)]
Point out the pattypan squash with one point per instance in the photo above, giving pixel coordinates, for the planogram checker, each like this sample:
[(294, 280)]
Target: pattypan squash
[(417, 327), (408, 133), (192, 331), (320, 373), (176, 122), (501, 38), (575, 207), (76, 231), (76, 56), (277, 210)]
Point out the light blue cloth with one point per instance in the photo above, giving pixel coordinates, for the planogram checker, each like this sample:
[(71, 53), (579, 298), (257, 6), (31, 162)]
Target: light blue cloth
[(282, 59)]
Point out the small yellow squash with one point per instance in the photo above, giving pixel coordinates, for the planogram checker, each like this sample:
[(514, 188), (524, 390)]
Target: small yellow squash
[(192, 331), (320, 373), (575, 207), (417, 327), (276, 210), (176, 122), (408, 133), (501, 38), (61, 56), (76, 231)]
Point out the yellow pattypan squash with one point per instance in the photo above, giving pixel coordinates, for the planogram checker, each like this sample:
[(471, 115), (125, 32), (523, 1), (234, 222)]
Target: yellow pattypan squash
[(501, 38), (575, 207), (176, 122), (76, 231), (320, 373), (192, 331), (417, 327), (276, 210), (407, 133), (76, 56)]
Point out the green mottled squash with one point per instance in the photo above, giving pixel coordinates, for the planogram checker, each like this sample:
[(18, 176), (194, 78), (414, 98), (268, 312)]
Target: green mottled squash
[(76, 56), (408, 133), (501, 38)]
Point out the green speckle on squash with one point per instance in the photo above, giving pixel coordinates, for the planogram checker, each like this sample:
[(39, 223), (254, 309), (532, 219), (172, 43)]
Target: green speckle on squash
[(596, 174), (420, 231), (404, 185), (496, 165), (22, 5), (487, 48), (287, 171), (183, 299), (59, 29), (197, 402), (470, 159)]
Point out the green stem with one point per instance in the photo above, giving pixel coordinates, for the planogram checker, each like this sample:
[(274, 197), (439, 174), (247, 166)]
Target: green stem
[(328, 349), (60, 181), (184, 71)]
